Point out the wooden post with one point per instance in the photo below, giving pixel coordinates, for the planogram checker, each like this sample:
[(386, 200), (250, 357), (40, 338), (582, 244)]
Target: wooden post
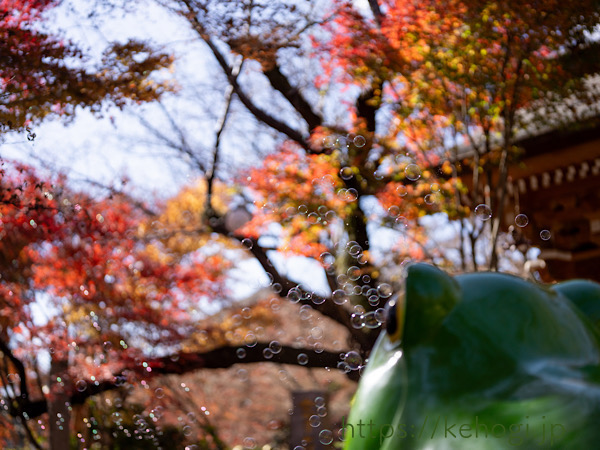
[(309, 418), (58, 408)]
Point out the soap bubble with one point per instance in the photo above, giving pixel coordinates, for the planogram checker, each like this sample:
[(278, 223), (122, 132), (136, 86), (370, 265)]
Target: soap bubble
[(545, 235), (370, 320), (294, 295), (326, 437), (314, 421), (357, 320), (521, 220), (328, 142), (359, 141), (302, 359), (249, 443), (275, 347), (339, 297), (353, 359), (412, 172), (346, 173), (483, 212), (384, 290)]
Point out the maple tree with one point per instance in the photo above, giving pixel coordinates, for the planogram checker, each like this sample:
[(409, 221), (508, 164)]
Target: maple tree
[(411, 84), (41, 75), (86, 282)]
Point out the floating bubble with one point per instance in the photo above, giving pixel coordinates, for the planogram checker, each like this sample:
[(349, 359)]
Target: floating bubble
[(341, 142), (412, 172), (249, 442), (402, 221), (247, 243), (429, 199), (318, 299), (380, 315), (353, 273), (483, 212), (521, 220), (357, 320), (359, 309), (305, 312), (294, 295), (393, 211), (343, 367), (267, 353), (314, 421), (246, 313), (159, 392), (384, 290), (373, 300), (302, 359), (359, 141), (81, 385), (351, 195), (326, 437), (346, 173), (327, 259), (401, 190), (353, 359), (339, 297), (319, 401), (545, 235), (275, 347), (250, 340), (316, 332), (329, 142), (355, 250), (237, 321), (370, 320), (435, 187)]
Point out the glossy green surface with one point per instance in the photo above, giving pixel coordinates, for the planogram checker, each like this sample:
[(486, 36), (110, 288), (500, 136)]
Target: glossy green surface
[(487, 360)]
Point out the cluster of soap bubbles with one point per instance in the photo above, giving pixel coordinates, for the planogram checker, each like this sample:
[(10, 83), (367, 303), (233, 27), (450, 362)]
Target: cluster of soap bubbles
[(322, 215), (344, 142)]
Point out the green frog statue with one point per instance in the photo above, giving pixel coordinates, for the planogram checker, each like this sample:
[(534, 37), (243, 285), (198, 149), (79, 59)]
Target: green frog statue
[(482, 361)]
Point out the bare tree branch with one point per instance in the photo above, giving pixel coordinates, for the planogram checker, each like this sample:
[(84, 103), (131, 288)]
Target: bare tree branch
[(210, 176), (182, 363), (260, 114), (20, 368), (293, 95), (376, 10)]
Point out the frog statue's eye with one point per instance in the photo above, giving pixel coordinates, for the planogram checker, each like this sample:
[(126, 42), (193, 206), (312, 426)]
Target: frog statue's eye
[(394, 317), (391, 318)]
